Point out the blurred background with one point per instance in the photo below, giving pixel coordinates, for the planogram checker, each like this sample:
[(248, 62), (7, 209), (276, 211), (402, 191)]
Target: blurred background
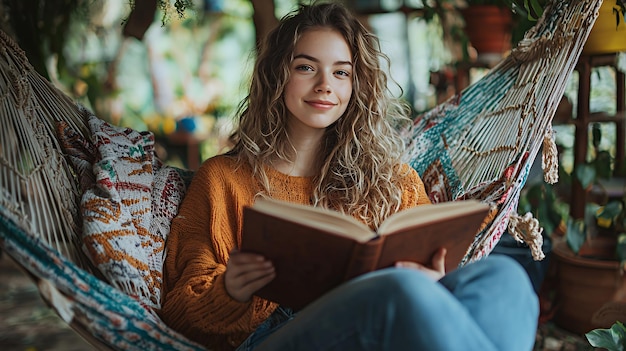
[(180, 67)]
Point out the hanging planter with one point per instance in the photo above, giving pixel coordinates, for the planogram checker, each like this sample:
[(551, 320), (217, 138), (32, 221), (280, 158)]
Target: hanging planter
[(488, 28), (608, 34)]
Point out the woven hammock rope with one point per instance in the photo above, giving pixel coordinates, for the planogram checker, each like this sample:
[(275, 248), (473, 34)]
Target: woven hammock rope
[(36, 183), (495, 127), (508, 113)]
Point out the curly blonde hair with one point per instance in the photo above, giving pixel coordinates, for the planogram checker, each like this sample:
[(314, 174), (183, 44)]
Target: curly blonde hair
[(361, 151)]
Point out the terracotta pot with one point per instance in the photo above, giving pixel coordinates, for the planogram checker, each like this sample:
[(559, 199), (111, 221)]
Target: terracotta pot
[(488, 28), (605, 37), (583, 286)]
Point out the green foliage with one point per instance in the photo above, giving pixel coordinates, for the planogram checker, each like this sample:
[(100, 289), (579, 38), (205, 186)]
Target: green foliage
[(608, 216), (576, 233), (601, 217), (541, 200), (166, 7), (531, 9), (621, 248), (534, 9), (525, 15), (613, 339), (620, 9), (179, 5), (586, 174), (40, 27)]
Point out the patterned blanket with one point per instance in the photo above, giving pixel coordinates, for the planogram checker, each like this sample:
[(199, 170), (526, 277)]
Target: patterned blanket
[(129, 199)]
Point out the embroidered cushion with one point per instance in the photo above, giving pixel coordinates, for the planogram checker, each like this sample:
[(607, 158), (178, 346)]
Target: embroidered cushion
[(129, 199)]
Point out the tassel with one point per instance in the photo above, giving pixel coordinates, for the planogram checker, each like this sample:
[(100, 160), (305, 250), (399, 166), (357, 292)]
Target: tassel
[(526, 229), (550, 158)]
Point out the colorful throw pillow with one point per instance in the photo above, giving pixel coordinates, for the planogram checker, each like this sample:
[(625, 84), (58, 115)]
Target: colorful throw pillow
[(128, 207)]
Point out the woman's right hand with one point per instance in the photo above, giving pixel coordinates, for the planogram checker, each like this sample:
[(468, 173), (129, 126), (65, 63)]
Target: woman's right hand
[(437, 268), (246, 273)]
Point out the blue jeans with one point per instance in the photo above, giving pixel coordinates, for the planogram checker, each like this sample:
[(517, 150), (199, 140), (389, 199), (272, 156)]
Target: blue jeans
[(486, 305)]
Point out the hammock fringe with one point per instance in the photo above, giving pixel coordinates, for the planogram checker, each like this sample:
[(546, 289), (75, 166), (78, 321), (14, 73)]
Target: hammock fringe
[(550, 158), (526, 229)]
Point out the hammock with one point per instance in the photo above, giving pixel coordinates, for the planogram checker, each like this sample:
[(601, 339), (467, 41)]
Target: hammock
[(479, 144)]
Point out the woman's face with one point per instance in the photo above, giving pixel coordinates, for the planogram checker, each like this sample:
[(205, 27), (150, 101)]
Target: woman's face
[(320, 83)]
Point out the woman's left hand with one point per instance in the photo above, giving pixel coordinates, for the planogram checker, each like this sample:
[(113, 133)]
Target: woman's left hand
[(436, 270)]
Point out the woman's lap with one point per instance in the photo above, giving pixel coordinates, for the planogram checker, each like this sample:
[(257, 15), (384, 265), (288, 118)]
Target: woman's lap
[(486, 305)]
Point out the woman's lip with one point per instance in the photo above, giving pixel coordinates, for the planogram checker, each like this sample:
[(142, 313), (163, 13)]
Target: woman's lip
[(321, 104)]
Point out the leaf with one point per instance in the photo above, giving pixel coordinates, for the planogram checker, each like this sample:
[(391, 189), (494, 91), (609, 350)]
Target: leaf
[(576, 230), (523, 205), (530, 16), (545, 219), (620, 250), (612, 339), (596, 134), (537, 8), (607, 215), (602, 164), (586, 174), (533, 9), (591, 209), (535, 194)]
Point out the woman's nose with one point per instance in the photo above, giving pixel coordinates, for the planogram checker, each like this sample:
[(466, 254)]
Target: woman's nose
[(323, 84)]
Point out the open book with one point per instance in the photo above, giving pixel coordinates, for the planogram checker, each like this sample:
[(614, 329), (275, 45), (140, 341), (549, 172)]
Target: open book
[(314, 250)]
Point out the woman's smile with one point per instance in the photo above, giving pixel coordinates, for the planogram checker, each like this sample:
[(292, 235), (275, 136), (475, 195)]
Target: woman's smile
[(321, 104)]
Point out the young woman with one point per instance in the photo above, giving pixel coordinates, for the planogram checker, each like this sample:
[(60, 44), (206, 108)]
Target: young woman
[(318, 128)]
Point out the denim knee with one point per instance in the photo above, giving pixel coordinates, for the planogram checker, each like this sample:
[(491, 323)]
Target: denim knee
[(505, 272), (395, 282), (401, 289)]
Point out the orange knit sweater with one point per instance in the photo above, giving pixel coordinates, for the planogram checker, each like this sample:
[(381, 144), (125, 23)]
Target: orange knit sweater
[(207, 228)]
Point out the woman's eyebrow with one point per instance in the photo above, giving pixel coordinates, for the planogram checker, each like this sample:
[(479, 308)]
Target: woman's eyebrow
[(311, 58)]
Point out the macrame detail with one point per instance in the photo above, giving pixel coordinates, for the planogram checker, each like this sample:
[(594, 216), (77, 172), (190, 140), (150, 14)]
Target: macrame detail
[(526, 229), (550, 158)]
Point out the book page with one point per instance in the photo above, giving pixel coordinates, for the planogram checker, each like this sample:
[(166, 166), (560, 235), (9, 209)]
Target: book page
[(315, 217), (423, 214)]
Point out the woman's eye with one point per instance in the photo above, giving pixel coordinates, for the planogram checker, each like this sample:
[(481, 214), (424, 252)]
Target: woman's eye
[(304, 68), (343, 73)]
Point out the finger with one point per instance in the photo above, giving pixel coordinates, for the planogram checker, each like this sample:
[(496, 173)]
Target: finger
[(428, 272), (242, 263), (439, 260), (242, 289), (243, 271), (254, 285), (246, 257), (247, 271), (409, 264), (254, 274)]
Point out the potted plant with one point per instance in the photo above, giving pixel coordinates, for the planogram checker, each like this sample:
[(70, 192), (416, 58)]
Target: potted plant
[(588, 253), (490, 27)]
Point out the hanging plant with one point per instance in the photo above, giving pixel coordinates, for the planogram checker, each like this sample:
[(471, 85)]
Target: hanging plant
[(619, 10), (166, 7)]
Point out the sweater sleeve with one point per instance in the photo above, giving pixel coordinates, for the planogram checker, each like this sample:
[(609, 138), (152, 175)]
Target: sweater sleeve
[(196, 302), (414, 192)]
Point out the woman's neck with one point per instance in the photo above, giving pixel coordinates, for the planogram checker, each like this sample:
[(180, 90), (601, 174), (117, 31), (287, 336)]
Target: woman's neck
[(306, 158)]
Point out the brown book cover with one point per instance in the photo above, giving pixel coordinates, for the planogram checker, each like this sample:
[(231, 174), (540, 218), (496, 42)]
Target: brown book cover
[(314, 250)]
